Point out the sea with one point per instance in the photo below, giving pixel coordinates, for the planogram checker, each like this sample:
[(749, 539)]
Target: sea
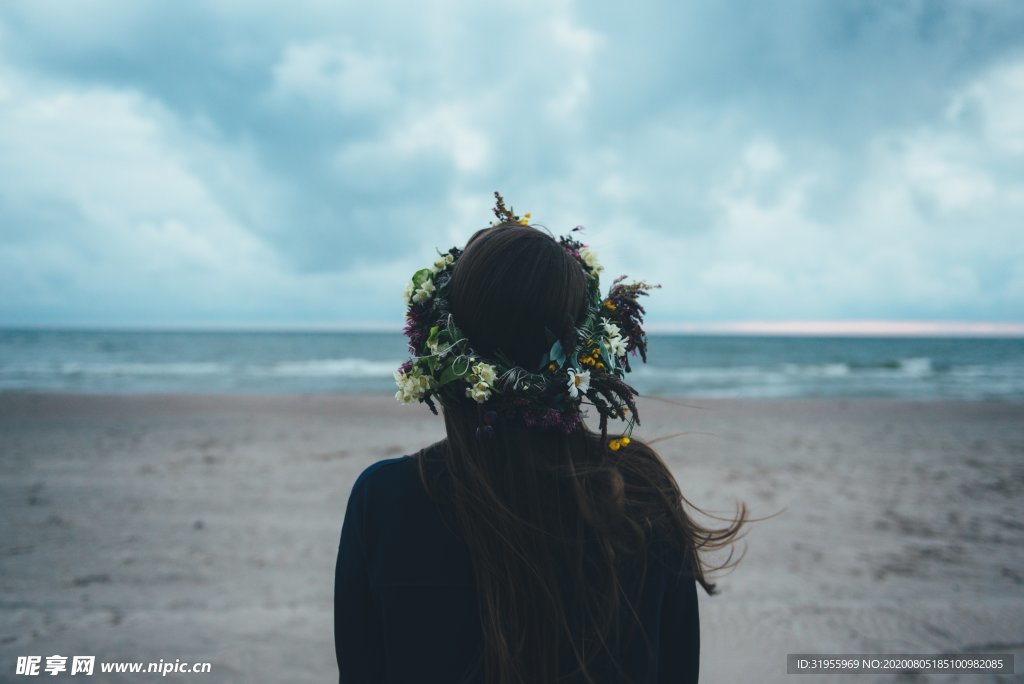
[(712, 366)]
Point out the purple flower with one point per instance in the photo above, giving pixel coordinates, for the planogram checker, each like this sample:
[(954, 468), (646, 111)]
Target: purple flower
[(417, 336), (567, 422)]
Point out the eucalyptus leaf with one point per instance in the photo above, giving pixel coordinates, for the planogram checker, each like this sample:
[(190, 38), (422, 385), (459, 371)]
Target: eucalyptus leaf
[(557, 353), (606, 354)]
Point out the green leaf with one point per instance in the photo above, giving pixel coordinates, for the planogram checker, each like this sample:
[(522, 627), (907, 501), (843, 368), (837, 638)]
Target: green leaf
[(552, 339), (421, 276), (452, 374), (606, 355), (557, 353), (434, 332)]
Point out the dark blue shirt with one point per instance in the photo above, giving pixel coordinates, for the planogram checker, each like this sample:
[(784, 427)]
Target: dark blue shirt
[(405, 608)]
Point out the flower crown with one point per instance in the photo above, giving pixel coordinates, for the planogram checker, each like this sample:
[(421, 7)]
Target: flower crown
[(445, 366)]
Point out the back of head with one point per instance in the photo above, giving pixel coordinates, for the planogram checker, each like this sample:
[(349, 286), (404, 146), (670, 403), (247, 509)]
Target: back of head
[(550, 517), (511, 286)]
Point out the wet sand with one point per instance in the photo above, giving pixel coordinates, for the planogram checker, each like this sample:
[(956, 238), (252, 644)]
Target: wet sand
[(205, 528)]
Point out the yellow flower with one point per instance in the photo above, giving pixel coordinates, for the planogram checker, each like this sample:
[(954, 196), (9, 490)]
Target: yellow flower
[(624, 441), (614, 445), (552, 366), (600, 364), (609, 304), (527, 214)]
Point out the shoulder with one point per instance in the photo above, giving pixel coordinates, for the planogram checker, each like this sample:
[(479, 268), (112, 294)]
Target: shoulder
[(392, 477), (384, 470)]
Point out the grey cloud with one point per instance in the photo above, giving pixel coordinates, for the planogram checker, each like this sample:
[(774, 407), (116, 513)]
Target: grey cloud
[(344, 137)]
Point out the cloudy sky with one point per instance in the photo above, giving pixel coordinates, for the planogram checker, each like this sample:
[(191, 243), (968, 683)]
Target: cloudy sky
[(235, 162)]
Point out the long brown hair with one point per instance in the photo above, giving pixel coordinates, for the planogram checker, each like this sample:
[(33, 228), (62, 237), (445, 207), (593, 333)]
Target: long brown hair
[(550, 519)]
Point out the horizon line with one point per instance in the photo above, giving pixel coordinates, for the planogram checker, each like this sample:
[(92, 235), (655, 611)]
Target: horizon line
[(797, 328), (855, 328)]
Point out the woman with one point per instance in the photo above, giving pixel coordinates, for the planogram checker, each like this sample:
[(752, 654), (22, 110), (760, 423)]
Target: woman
[(524, 548)]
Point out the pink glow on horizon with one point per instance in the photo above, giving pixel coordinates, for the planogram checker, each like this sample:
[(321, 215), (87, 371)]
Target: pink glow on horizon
[(880, 328)]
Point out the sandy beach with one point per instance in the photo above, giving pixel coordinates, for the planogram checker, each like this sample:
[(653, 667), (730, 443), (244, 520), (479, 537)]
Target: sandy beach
[(141, 528)]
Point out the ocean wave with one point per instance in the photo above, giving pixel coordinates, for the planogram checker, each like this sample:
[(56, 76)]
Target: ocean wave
[(140, 368), (342, 367), (909, 367), (346, 367), (915, 366), (822, 370), (972, 370)]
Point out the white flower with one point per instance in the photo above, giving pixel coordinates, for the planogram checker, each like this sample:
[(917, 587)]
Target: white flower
[(425, 292), (407, 294), (479, 392), (442, 262), (579, 381), (617, 346), (616, 342), (590, 259), (437, 347), (485, 372), (411, 385)]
